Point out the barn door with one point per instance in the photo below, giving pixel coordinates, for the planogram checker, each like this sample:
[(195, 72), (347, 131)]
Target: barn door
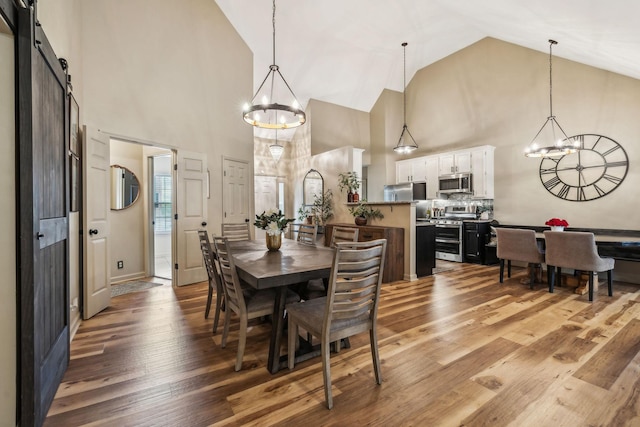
[(43, 296)]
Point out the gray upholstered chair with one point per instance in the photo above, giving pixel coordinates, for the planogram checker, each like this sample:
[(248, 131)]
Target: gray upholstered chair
[(247, 304), (307, 234), (575, 250), (515, 244), (350, 307), (236, 231)]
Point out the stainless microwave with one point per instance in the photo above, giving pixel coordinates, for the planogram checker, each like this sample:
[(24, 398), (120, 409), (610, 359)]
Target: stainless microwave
[(455, 183)]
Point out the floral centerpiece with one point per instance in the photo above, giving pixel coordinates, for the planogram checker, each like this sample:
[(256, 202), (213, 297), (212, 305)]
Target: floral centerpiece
[(557, 224), (273, 222)]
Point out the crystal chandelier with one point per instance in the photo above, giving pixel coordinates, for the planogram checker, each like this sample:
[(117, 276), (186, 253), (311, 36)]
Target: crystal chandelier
[(551, 140), (264, 111), (276, 149), (406, 143)]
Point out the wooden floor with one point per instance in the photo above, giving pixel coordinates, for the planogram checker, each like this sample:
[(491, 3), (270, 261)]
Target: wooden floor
[(457, 349)]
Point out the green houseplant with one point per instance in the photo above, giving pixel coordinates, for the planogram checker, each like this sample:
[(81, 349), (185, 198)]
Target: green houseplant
[(322, 208), (350, 181), (363, 213)]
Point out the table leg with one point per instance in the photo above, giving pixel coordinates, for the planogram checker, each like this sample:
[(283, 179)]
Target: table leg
[(277, 327)]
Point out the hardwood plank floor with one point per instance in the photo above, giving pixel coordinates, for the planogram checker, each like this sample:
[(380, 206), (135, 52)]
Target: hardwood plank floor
[(457, 349)]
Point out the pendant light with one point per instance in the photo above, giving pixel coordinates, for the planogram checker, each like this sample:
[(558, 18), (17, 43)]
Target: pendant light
[(276, 149), (548, 141), (265, 111), (406, 143)]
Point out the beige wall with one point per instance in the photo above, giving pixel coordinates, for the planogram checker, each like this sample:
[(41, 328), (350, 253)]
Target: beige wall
[(497, 93), (128, 225), (8, 231), (334, 126)]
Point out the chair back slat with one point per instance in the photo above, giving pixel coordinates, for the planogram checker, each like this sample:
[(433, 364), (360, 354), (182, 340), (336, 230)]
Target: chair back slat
[(229, 275), (354, 285), (344, 234), (235, 232), (307, 234)]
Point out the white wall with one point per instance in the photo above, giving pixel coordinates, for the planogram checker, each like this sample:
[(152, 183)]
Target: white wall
[(7, 231)]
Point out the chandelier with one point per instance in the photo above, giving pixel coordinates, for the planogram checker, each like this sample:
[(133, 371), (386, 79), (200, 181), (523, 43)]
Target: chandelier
[(264, 111), (551, 140), (276, 149), (406, 143)]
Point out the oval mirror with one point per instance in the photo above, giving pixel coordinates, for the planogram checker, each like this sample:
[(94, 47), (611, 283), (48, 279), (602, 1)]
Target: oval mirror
[(124, 187), (312, 186)]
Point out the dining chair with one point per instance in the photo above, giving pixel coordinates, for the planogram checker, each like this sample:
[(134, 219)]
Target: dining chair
[(515, 244), (576, 250), (307, 234), (236, 231), (247, 304), (344, 234), (350, 307), (215, 282)]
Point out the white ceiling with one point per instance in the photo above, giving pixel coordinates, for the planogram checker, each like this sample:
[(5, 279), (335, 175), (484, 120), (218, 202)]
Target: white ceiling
[(347, 51)]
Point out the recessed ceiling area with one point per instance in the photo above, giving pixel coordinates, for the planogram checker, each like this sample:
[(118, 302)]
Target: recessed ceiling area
[(347, 52)]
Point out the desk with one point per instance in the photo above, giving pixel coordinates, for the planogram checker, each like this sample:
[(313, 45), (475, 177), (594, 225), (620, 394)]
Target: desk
[(293, 263)]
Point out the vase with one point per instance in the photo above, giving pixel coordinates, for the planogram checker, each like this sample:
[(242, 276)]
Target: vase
[(349, 197), (557, 228), (360, 220), (356, 197), (274, 242)]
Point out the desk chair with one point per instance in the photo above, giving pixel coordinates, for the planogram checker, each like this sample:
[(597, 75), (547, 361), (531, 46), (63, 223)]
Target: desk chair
[(247, 304), (576, 250), (236, 231), (516, 244), (350, 307), (215, 282)]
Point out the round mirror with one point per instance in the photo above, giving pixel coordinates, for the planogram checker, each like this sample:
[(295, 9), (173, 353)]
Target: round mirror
[(312, 186), (124, 187)]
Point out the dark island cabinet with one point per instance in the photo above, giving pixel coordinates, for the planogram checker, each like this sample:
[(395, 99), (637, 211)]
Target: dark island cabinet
[(394, 262), (476, 236)]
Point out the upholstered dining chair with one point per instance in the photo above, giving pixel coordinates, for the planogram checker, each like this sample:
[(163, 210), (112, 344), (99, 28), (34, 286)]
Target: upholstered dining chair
[(576, 250), (215, 282), (236, 231), (307, 233), (344, 234), (515, 244), (350, 307), (247, 304)]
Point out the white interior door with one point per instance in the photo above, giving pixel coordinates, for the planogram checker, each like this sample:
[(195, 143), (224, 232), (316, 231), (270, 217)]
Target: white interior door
[(236, 191), (266, 197), (96, 230), (191, 207)]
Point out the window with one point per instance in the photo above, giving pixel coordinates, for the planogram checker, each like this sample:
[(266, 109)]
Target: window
[(162, 203)]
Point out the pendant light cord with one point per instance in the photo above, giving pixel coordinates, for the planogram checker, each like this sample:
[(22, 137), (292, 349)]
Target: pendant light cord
[(273, 21), (404, 82), (551, 43)]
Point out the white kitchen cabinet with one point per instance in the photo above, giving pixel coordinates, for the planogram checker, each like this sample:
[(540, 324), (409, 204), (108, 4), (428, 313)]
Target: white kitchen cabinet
[(411, 170), (455, 162), (431, 164), (482, 172)]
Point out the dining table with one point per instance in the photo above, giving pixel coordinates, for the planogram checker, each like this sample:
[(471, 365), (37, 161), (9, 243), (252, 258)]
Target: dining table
[(293, 263)]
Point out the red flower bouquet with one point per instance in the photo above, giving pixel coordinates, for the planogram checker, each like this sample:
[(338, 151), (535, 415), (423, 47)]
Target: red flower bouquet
[(557, 222)]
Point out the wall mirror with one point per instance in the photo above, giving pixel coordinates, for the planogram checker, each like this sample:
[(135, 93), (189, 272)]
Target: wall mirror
[(124, 187), (312, 185)]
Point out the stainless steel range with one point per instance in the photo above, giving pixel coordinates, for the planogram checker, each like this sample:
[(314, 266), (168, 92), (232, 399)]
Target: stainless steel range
[(449, 231)]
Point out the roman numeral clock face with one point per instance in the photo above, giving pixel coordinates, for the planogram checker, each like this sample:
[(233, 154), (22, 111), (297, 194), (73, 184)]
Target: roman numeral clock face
[(597, 169)]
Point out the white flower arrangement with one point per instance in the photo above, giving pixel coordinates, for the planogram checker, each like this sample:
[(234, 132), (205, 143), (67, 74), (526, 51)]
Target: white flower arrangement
[(272, 221)]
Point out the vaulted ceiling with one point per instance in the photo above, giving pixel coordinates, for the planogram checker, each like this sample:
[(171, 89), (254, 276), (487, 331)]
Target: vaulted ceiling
[(347, 51)]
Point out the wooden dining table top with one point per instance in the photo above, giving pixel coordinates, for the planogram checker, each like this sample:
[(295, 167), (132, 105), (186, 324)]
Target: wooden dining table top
[(293, 263)]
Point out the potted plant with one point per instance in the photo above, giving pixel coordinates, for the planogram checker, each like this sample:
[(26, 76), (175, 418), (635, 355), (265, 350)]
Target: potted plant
[(363, 213), (305, 214), (350, 181)]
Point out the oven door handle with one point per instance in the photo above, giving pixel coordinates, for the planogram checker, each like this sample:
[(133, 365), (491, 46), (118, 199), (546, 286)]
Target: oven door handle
[(447, 226), (448, 241)]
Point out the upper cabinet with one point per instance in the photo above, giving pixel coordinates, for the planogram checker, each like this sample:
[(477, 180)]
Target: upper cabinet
[(411, 170), (455, 162), (477, 160)]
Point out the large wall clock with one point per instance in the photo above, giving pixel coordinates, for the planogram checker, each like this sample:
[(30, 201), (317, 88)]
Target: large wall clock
[(597, 169)]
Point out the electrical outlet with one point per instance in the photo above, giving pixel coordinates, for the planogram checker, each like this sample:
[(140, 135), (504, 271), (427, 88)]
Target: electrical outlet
[(120, 264)]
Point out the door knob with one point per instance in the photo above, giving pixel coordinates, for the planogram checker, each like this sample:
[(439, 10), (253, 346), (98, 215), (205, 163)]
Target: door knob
[(93, 231), (204, 223), (39, 236)]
